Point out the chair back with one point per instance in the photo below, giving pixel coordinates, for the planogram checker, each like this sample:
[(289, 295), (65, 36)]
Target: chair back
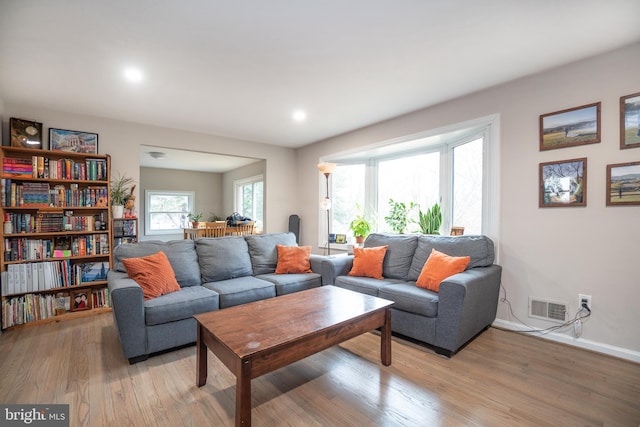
[(244, 229), (215, 229)]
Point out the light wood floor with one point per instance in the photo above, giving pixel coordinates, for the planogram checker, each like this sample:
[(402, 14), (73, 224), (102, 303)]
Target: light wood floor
[(500, 379)]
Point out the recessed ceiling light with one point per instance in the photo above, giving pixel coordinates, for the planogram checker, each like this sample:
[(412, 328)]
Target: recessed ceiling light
[(133, 75), (299, 116)]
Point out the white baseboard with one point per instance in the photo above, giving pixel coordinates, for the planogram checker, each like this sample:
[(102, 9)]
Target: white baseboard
[(622, 353)]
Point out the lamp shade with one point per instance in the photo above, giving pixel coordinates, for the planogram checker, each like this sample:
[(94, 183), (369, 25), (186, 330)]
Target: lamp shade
[(326, 168)]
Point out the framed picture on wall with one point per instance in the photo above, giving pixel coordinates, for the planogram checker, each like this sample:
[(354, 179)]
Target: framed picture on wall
[(630, 121), (25, 133), (563, 183), (623, 184), (571, 127), (73, 141)]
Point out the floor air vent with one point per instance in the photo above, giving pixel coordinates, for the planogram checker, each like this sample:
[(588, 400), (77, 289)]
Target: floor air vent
[(547, 310)]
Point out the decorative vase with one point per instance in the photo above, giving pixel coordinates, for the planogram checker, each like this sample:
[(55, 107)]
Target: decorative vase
[(117, 211)]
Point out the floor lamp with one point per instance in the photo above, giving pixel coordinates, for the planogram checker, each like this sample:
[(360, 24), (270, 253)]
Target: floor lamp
[(327, 169)]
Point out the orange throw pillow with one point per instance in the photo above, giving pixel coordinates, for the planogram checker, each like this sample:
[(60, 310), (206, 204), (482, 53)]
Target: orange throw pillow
[(367, 262), (438, 267), (293, 259), (153, 273)]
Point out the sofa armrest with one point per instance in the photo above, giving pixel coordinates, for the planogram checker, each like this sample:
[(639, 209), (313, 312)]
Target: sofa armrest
[(127, 303), (316, 263), (334, 266), (467, 304)]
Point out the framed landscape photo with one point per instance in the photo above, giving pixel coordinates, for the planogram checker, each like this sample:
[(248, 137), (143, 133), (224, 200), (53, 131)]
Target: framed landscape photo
[(571, 127), (630, 121), (80, 300), (73, 141), (623, 184), (563, 183), (25, 133)]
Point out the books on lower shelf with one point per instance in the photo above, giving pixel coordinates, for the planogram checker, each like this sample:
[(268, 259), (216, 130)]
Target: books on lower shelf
[(33, 307), (43, 276)]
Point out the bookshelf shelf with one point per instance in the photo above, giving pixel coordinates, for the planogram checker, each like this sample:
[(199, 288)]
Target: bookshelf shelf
[(56, 234)]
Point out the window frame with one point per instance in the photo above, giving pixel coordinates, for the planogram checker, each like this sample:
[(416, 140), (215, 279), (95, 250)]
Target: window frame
[(486, 128), (237, 184), (148, 194)]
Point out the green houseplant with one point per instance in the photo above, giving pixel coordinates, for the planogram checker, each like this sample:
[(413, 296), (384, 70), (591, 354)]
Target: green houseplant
[(360, 227), (430, 221), (195, 219), (398, 218), (120, 192)]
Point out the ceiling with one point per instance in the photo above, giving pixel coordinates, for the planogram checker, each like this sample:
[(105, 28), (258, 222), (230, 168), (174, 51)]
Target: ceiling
[(190, 160), (241, 68)]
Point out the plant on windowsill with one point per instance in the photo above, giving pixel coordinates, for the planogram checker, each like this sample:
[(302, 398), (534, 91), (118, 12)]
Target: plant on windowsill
[(360, 227), (430, 221), (195, 219), (398, 218)]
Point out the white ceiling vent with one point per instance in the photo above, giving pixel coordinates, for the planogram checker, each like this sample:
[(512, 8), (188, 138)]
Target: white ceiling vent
[(547, 310)]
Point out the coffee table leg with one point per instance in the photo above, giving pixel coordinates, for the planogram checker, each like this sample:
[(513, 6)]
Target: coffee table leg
[(385, 339), (201, 359), (243, 395)]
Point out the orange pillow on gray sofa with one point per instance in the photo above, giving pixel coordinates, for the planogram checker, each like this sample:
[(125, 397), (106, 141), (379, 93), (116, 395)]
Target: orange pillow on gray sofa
[(153, 273), (438, 267)]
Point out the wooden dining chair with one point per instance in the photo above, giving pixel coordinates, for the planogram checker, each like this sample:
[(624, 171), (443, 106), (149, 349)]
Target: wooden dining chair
[(215, 229), (244, 229)]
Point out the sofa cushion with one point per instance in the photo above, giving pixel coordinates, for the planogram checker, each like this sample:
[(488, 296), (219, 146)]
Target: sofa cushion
[(242, 290), (438, 267), (223, 258), (478, 248), (364, 285), (153, 273), (181, 254), (408, 297), (262, 250), (289, 283), (293, 259), (367, 262), (179, 305), (399, 256)]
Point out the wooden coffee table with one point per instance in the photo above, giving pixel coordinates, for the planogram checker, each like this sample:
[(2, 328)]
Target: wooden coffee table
[(256, 338)]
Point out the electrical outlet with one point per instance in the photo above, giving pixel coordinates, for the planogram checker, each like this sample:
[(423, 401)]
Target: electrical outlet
[(584, 299)]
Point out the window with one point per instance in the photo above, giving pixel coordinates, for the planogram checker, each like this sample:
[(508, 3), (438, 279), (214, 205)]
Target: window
[(450, 167), (167, 211), (249, 197)]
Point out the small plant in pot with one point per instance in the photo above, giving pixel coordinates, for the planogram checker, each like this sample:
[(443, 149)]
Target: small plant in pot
[(120, 193), (430, 221), (195, 219), (361, 228)]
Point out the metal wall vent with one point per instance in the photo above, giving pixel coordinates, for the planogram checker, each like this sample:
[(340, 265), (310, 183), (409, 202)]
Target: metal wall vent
[(547, 310)]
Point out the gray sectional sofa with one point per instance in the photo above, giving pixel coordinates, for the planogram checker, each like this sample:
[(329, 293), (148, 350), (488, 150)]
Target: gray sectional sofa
[(213, 273), (465, 305)]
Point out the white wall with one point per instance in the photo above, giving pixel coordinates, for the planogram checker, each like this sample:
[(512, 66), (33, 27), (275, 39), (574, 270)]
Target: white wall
[(551, 253), (122, 141)]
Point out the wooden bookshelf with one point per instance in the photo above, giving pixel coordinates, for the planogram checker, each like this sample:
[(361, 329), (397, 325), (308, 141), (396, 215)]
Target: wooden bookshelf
[(56, 235)]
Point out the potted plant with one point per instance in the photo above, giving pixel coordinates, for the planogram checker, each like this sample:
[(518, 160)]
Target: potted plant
[(360, 227), (430, 221), (195, 219), (398, 217), (120, 193)]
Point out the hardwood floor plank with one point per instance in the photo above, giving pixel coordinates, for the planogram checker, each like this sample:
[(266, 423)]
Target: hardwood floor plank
[(499, 379)]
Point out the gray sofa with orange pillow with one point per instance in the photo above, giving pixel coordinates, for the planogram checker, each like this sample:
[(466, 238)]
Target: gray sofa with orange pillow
[(464, 305), (212, 273)]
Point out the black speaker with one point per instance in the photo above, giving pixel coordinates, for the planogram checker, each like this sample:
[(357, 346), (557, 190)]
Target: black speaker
[(294, 226)]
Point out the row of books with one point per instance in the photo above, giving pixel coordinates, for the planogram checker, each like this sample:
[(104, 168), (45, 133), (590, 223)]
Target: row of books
[(43, 167), (26, 249), (50, 222), (32, 307), (39, 194), (125, 228), (42, 276)]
